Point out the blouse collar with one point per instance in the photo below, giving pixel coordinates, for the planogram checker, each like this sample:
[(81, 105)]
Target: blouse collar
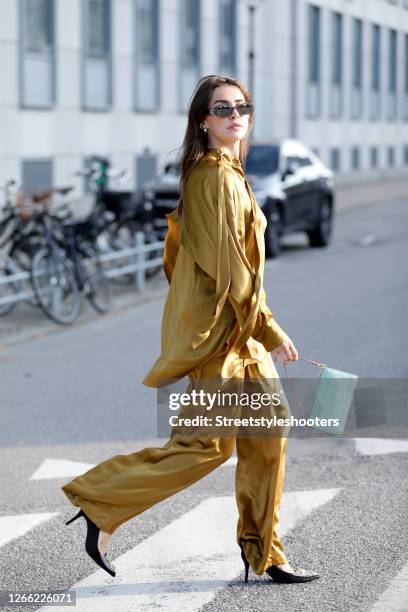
[(217, 154)]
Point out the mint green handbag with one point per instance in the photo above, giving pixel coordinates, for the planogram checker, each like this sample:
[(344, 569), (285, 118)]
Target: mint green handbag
[(332, 400)]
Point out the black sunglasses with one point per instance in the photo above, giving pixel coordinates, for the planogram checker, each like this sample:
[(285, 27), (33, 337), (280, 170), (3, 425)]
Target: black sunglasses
[(224, 110)]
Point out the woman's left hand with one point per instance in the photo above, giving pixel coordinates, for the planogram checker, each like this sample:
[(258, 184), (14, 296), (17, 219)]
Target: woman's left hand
[(286, 351)]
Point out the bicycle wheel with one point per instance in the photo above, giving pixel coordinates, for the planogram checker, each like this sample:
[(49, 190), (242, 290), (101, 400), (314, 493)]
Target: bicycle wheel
[(22, 255), (97, 286), (55, 287), (7, 268)]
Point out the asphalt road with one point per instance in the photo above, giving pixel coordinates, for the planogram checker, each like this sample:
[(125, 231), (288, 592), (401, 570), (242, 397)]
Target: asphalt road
[(75, 394)]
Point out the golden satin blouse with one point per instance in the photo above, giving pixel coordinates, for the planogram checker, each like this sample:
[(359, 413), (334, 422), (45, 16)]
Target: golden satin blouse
[(214, 256)]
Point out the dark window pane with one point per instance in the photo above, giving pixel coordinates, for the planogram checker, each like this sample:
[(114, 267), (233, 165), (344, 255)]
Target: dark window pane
[(391, 158), (337, 66), (406, 155), (374, 157), (335, 159), (190, 56), (262, 160), (376, 58), (38, 25), (37, 174), (357, 53), (227, 18), (393, 61), (314, 44), (98, 29), (355, 158), (147, 31), (406, 64)]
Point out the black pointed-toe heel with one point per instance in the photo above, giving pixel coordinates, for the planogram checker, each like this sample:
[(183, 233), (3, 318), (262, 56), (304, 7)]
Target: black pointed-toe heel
[(245, 560), (91, 544), (281, 576)]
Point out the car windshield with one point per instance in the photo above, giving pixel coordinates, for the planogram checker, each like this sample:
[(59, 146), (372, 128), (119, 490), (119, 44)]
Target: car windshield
[(262, 160)]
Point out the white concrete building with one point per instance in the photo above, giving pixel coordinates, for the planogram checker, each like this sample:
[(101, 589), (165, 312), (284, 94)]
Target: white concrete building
[(113, 77), (337, 77)]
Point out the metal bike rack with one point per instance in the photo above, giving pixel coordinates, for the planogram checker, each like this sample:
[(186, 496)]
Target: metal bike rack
[(138, 267)]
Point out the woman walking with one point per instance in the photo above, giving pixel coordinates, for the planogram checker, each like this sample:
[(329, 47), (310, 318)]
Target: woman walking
[(216, 326)]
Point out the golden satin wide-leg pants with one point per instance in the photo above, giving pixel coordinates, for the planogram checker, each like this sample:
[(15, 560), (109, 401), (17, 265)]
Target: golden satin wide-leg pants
[(124, 486)]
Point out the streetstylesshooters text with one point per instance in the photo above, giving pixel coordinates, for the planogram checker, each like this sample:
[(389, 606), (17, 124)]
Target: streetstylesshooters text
[(254, 401)]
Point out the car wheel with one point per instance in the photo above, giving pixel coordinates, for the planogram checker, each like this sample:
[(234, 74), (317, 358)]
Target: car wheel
[(320, 236), (273, 234)]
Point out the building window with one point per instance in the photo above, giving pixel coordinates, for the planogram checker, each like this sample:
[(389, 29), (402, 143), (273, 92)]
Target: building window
[(392, 75), (336, 66), (313, 68), (374, 157), (36, 174), (190, 49), (355, 158), (227, 37), (391, 156), (146, 167), (405, 98), (357, 70), (97, 56), (375, 97), (335, 159), (37, 53), (147, 78), (405, 154)]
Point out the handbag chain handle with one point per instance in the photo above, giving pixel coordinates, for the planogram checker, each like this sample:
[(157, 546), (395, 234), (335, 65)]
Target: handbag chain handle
[(316, 363)]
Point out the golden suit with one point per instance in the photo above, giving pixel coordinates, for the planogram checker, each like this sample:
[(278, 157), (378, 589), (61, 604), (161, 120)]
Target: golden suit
[(216, 325)]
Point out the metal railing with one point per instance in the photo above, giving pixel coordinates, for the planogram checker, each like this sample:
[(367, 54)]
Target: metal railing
[(137, 267)]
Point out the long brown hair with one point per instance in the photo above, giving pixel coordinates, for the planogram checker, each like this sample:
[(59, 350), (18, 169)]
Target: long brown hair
[(195, 142)]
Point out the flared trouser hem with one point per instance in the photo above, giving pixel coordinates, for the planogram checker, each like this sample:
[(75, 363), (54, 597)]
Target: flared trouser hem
[(124, 486)]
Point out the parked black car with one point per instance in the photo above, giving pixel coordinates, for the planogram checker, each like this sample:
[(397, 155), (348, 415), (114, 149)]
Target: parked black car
[(294, 189)]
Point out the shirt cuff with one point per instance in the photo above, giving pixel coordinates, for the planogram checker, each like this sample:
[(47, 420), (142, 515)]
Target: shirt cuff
[(273, 336)]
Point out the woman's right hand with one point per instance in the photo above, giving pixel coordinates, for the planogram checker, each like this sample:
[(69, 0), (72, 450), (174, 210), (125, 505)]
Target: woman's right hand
[(286, 351)]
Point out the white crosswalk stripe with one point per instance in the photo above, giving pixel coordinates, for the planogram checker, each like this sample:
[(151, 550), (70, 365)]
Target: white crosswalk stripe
[(380, 446), (16, 525), (58, 468), (395, 598)]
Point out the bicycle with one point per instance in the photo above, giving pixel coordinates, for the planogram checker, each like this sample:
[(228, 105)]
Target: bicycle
[(121, 216), (52, 277), (67, 266), (18, 242)]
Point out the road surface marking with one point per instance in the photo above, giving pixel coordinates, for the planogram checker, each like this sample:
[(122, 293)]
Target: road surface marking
[(380, 446), (395, 598), (17, 525), (58, 468)]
